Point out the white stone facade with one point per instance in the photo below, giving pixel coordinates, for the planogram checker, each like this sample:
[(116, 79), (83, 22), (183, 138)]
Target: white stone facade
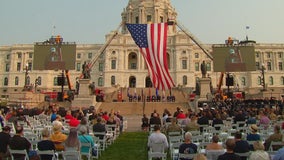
[(123, 65)]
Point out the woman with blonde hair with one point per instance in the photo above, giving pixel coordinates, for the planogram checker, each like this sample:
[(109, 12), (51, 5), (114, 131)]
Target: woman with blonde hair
[(259, 153), (57, 137), (199, 156)]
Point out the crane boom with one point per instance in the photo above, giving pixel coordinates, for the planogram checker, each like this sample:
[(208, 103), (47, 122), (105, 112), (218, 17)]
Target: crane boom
[(102, 49), (194, 39)]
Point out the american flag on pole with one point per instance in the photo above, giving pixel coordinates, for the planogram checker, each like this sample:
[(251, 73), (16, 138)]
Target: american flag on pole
[(152, 41)]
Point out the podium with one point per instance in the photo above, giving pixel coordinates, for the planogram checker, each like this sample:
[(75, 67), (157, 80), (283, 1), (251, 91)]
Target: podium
[(84, 98)]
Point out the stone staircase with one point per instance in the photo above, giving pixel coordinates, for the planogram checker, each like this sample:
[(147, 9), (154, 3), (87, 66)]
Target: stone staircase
[(140, 108)]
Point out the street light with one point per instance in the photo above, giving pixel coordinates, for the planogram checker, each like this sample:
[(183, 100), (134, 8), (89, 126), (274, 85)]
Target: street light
[(262, 77), (26, 77)]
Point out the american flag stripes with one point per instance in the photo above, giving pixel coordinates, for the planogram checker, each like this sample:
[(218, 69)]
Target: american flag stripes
[(152, 41)]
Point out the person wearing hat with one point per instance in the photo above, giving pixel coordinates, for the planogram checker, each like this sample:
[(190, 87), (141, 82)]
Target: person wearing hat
[(253, 135), (4, 139)]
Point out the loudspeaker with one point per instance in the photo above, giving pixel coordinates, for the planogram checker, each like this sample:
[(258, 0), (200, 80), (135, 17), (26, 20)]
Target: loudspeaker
[(229, 81), (59, 96), (60, 81)]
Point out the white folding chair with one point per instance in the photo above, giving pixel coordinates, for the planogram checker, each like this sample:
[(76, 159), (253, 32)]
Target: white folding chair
[(46, 153), (71, 155), (157, 150), (186, 156), (214, 154), (14, 152)]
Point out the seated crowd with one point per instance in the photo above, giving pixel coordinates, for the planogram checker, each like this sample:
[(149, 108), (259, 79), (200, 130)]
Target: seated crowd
[(219, 132), (60, 133)]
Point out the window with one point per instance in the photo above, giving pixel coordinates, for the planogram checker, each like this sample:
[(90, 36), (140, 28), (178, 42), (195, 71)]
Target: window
[(6, 81), (196, 55), (101, 66), (113, 64), (137, 20), (280, 54), (100, 81), (112, 80), (55, 81), (257, 65), (78, 67), (268, 55), (257, 54), (184, 64), (243, 81), (149, 18), (196, 66), (184, 52), (7, 68), (133, 66), (30, 54), (79, 56), (282, 80), (208, 66), (90, 55), (269, 66), (19, 66), (8, 56), (30, 66), (271, 80), (19, 55), (16, 81), (280, 66), (184, 80), (39, 80), (259, 80)]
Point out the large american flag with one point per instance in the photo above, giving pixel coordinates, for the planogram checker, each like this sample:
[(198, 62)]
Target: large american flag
[(152, 41)]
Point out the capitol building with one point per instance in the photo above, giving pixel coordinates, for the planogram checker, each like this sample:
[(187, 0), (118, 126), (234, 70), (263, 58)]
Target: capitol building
[(121, 63)]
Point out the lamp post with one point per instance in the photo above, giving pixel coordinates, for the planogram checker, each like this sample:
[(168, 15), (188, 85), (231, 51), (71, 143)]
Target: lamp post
[(26, 77), (263, 77)]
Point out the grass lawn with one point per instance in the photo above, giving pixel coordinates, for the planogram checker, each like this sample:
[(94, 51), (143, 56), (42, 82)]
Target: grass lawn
[(128, 146)]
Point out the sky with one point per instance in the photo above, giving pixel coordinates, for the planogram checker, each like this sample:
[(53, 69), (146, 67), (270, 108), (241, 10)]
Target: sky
[(88, 21)]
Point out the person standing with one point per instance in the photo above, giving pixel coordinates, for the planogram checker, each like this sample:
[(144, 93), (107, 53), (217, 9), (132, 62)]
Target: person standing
[(157, 137)]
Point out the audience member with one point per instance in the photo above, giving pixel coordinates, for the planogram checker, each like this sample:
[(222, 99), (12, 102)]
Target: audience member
[(229, 155), (200, 156), (99, 127), (217, 120), (84, 123), (253, 135), (276, 136), (214, 144), (57, 137), (74, 122), (45, 144), (187, 147), (263, 120), (192, 124), (173, 127), (72, 142), (157, 137), (258, 153), (203, 120), (4, 139), (155, 120), (19, 142), (145, 123), (241, 146), (85, 138), (279, 155)]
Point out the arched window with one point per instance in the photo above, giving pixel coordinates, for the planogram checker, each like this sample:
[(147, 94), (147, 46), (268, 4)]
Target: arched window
[(6, 81), (243, 81), (184, 80), (100, 81), (16, 81), (132, 60), (282, 80), (259, 80), (112, 80), (271, 80)]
